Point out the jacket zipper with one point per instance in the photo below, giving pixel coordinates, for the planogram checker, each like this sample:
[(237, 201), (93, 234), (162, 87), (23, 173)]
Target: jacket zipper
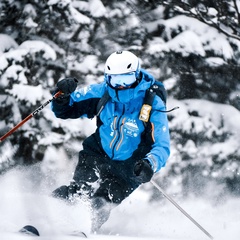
[(115, 131), (118, 128), (121, 134)]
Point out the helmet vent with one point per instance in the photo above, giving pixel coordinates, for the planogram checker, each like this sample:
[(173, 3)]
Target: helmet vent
[(108, 67), (129, 65)]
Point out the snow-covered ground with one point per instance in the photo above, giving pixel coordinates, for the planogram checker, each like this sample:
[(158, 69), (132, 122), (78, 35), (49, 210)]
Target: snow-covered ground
[(25, 200)]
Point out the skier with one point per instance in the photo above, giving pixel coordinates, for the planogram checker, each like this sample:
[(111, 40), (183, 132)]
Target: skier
[(125, 150)]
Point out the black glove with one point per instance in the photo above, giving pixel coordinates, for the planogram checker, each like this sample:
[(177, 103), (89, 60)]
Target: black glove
[(67, 85), (143, 171)]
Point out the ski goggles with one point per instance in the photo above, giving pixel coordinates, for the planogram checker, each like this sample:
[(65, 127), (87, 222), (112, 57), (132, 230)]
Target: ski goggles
[(121, 81)]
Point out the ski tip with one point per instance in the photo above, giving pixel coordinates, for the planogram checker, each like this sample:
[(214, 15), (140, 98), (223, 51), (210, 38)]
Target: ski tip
[(29, 229), (78, 234)]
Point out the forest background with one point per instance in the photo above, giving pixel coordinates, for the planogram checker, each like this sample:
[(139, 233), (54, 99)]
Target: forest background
[(193, 47)]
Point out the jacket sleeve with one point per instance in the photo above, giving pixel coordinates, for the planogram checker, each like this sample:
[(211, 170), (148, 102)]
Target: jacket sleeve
[(82, 102), (160, 134)]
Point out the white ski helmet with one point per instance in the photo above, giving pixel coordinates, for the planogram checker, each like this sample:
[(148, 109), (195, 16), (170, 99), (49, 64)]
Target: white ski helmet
[(122, 69)]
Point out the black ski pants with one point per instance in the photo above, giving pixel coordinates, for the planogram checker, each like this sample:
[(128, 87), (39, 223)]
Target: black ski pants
[(115, 180)]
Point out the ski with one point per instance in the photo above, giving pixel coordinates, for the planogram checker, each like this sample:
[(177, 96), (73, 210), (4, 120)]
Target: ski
[(78, 234), (29, 230)]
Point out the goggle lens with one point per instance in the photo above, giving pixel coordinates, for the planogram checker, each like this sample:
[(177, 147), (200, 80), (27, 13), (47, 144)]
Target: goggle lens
[(121, 81)]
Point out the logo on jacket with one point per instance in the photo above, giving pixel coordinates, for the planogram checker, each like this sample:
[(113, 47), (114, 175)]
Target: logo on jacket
[(131, 128), (82, 92)]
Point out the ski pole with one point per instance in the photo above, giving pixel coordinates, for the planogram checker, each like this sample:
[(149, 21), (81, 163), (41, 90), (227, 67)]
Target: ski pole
[(179, 208), (39, 109)]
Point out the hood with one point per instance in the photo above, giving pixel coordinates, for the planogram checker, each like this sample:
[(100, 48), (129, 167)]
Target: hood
[(126, 95)]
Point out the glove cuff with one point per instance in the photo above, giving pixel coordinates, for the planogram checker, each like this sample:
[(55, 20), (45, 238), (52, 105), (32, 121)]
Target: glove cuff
[(153, 162)]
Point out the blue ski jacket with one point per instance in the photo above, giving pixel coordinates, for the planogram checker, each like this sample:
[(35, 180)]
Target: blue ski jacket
[(121, 133)]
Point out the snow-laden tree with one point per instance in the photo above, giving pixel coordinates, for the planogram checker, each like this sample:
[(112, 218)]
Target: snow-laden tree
[(22, 88), (205, 150), (35, 52), (197, 43)]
